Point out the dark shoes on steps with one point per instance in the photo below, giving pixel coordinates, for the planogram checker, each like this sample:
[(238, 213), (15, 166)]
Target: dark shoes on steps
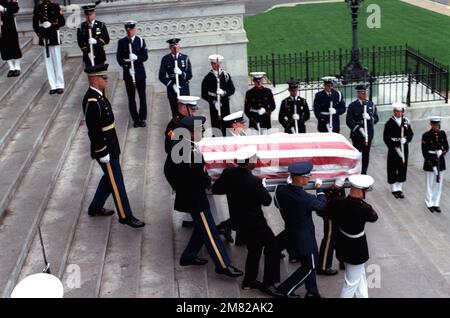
[(229, 271), (100, 212), (132, 221)]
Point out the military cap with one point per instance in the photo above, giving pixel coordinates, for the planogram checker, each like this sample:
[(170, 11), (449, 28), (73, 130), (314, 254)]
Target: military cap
[(90, 7), (329, 79), (361, 181), (293, 84), (398, 106), (246, 154), (216, 58), (130, 24), (302, 168), (435, 119), (173, 42), (361, 87), (40, 285), (258, 75), (188, 100), (193, 122), (96, 70), (237, 117)]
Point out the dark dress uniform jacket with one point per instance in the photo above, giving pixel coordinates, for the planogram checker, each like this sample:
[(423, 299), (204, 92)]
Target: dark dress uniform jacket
[(432, 141), (9, 40), (392, 134), (257, 98), (355, 119), (100, 33), (167, 75), (170, 131), (287, 110), (296, 206), (99, 121), (209, 87), (123, 53), (189, 180), (322, 104), (51, 12), (245, 195), (350, 215)]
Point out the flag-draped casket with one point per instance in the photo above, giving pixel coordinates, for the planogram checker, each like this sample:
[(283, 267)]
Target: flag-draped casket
[(331, 154)]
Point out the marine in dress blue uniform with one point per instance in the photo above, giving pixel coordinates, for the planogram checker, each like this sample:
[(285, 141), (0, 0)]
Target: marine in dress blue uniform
[(138, 55), (296, 207), (355, 121), (323, 101), (167, 72), (105, 148), (186, 174), (293, 108)]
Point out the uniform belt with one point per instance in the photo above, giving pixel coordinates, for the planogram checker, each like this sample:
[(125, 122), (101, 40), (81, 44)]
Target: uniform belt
[(395, 139), (212, 94), (352, 236), (113, 125), (324, 113), (254, 110), (433, 152)]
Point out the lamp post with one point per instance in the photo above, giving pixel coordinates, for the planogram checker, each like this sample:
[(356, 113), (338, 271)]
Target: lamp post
[(354, 70)]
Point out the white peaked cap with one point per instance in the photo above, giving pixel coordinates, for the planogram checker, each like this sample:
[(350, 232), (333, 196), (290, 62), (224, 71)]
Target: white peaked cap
[(245, 153), (215, 58), (361, 181), (188, 100), (39, 286), (258, 75)]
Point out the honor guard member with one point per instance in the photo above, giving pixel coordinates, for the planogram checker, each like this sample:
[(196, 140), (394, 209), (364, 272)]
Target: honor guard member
[(246, 195), (259, 103), (168, 72), (218, 93), (235, 124), (350, 215), (134, 74), (296, 206), (397, 135), (434, 148), (188, 176), (9, 39), (328, 244), (47, 19), (99, 39), (328, 102), (293, 109), (105, 148), (361, 137)]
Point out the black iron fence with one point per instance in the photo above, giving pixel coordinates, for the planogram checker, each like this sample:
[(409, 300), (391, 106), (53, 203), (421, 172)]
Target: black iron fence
[(397, 73)]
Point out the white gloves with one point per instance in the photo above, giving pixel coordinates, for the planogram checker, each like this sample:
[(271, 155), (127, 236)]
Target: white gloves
[(329, 128), (104, 159), (261, 111), (133, 57), (46, 25), (2, 8), (363, 133), (318, 183), (217, 106), (435, 170), (91, 55), (220, 92), (439, 153), (92, 41), (399, 152), (403, 140), (176, 89), (366, 116), (264, 183), (331, 110), (289, 180), (177, 71), (296, 117)]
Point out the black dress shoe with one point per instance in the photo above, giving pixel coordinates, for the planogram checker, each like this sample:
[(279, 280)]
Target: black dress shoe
[(10, 74), (100, 212), (194, 261), (312, 295), (187, 224), (16, 73), (400, 195), (327, 272), (143, 123), (431, 208), (60, 90), (132, 221), (229, 271), (136, 124), (292, 295), (282, 255), (251, 285), (437, 209), (272, 291), (226, 232), (395, 194), (52, 91)]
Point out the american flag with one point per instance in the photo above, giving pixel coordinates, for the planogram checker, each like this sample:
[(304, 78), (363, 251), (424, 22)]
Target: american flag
[(331, 154)]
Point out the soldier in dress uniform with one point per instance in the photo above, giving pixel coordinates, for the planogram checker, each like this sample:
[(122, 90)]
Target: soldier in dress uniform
[(434, 148), (350, 215), (134, 71), (288, 115), (259, 103), (362, 139), (167, 72), (397, 143), (188, 176), (210, 92), (246, 194), (99, 39), (328, 102), (328, 244), (9, 39), (105, 148), (47, 19), (235, 124), (296, 206)]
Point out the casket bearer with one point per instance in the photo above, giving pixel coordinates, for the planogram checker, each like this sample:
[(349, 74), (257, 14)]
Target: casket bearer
[(397, 135), (434, 148)]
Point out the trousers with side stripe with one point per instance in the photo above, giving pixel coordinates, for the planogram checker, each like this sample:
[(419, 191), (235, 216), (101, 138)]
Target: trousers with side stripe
[(115, 187), (305, 274), (205, 233), (327, 246)]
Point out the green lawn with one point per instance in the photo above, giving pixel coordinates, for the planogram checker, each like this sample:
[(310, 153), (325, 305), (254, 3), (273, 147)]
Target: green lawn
[(317, 27)]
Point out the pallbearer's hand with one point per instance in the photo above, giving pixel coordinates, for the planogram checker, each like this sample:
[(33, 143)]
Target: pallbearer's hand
[(318, 183), (264, 183)]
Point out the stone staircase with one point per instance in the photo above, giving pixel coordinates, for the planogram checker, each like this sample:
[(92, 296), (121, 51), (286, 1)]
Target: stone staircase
[(47, 178)]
